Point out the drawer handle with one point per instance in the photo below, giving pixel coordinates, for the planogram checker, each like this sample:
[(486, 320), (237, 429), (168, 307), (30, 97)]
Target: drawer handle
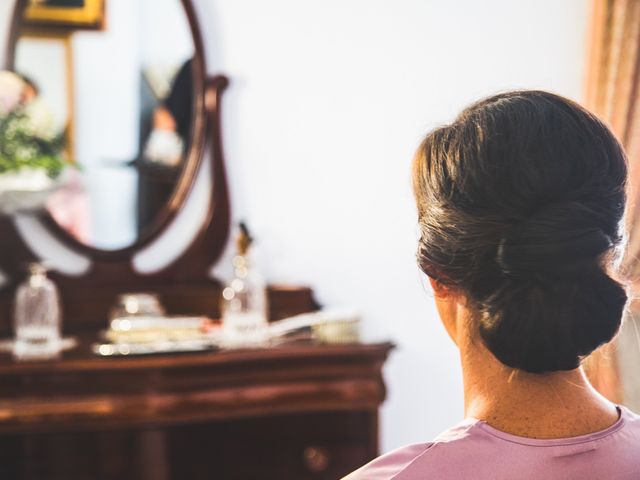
[(316, 459), (53, 411)]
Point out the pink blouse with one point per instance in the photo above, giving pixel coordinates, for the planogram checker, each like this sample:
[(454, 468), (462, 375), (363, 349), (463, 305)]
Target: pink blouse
[(472, 450)]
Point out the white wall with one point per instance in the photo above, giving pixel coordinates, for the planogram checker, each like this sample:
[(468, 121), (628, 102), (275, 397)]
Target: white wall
[(46, 58), (328, 100), (155, 19), (107, 130)]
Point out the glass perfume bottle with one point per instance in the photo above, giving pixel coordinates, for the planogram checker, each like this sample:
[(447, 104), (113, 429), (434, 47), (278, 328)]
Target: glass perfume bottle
[(37, 316), (244, 300)]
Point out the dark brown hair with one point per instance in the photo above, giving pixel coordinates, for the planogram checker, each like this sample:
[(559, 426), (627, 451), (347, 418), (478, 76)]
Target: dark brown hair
[(520, 202)]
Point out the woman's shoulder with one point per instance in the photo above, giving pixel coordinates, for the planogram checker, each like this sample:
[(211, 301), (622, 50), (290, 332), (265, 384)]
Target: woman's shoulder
[(390, 465), (473, 449), (397, 464)]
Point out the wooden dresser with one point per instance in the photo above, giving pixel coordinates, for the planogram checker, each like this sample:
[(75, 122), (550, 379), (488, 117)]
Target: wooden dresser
[(300, 411)]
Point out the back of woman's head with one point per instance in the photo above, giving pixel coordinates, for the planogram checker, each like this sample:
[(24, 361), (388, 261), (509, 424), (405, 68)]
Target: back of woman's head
[(520, 202)]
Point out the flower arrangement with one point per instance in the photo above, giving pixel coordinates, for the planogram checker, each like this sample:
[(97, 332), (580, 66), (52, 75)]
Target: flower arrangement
[(31, 146)]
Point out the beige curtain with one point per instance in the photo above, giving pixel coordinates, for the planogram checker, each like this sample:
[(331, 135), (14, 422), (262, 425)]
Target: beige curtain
[(612, 92)]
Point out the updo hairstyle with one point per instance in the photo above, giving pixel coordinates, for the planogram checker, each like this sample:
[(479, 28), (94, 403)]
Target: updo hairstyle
[(520, 202)]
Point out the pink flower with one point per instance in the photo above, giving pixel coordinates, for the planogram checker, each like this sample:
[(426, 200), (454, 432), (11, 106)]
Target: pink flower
[(11, 88)]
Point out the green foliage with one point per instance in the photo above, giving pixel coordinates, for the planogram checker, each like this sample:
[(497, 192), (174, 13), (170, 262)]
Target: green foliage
[(21, 147)]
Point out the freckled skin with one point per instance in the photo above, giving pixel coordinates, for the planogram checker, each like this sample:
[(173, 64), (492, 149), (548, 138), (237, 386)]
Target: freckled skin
[(550, 405)]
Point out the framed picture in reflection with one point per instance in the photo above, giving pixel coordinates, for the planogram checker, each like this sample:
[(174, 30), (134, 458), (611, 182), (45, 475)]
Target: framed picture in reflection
[(69, 14)]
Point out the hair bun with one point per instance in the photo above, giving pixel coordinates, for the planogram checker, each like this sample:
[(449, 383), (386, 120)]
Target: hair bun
[(542, 326), (558, 241), (550, 311)]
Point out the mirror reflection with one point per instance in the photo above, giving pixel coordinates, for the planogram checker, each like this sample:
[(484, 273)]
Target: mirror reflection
[(128, 136)]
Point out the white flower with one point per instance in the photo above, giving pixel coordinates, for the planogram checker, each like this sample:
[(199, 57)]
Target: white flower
[(26, 152), (41, 122), (11, 88)]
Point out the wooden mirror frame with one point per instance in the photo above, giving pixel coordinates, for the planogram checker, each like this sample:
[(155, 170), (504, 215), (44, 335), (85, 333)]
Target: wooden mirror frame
[(185, 285), (192, 158)]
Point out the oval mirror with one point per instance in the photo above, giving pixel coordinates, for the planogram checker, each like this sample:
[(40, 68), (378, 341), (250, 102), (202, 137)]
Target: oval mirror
[(122, 80)]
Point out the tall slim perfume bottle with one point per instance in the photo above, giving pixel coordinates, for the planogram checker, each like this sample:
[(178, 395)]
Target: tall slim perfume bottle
[(37, 316), (244, 300)]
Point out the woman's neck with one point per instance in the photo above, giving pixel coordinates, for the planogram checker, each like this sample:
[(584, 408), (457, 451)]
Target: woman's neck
[(553, 405)]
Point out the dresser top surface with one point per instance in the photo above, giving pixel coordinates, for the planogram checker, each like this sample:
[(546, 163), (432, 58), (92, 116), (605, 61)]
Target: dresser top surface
[(82, 358)]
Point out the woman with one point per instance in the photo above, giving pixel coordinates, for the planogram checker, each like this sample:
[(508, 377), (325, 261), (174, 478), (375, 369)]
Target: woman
[(520, 202)]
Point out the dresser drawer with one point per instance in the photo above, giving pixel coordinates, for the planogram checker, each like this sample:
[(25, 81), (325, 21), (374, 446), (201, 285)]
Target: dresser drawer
[(309, 446)]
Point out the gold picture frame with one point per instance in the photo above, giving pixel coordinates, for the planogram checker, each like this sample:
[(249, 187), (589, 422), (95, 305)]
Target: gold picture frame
[(87, 14)]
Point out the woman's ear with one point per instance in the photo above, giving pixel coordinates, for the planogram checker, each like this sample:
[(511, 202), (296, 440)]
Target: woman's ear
[(439, 289), (447, 305)]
